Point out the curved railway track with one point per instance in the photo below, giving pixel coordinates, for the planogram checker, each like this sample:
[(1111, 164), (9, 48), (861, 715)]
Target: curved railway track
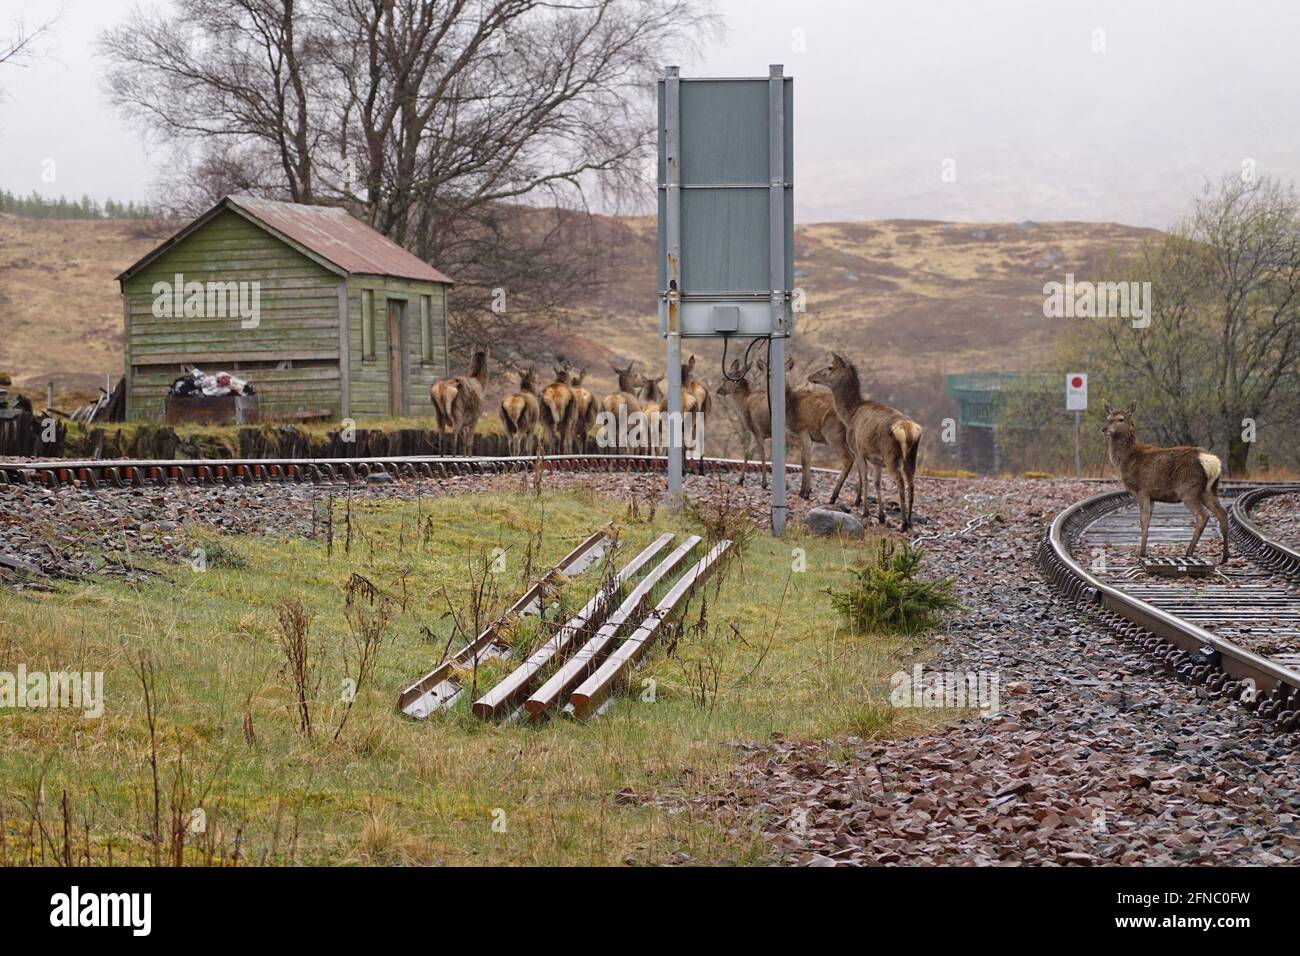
[(1235, 631)]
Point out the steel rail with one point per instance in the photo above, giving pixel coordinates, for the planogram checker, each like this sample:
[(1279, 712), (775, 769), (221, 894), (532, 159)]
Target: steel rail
[(1274, 555), (577, 667), (439, 688), (1225, 668), (142, 472), (592, 692), (516, 684)]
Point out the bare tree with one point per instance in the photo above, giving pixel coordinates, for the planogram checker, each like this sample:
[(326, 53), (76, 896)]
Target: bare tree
[(449, 125), (22, 45), (1219, 363)]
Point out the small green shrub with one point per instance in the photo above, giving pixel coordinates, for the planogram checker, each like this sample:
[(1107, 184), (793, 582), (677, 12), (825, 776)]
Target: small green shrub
[(886, 596)]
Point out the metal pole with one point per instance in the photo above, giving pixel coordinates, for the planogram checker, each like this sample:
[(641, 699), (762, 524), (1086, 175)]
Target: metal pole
[(776, 345), (673, 228), (1078, 419)]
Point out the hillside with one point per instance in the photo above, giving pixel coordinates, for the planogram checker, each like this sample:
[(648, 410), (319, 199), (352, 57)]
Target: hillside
[(912, 300)]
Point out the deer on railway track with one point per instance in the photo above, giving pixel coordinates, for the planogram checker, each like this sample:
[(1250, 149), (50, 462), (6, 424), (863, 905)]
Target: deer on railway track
[(1151, 473), (876, 434), (457, 402), (557, 410), (520, 413)]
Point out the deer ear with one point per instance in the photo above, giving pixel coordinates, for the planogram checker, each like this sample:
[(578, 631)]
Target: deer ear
[(691, 363), (837, 360), (1108, 408), (762, 366), (1132, 406)]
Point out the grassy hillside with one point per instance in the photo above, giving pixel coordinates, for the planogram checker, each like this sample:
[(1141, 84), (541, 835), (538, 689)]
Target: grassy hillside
[(910, 299)]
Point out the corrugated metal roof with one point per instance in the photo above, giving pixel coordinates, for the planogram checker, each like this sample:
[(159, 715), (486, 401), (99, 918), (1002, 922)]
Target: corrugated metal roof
[(326, 232), (334, 235)]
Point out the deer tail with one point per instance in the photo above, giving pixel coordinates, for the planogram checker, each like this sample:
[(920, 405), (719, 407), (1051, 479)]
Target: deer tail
[(908, 435), (444, 397), (1213, 468)]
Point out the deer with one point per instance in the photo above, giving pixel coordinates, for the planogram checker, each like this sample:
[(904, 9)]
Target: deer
[(752, 405), (521, 411), (622, 404), (1151, 473), (584, 408), (557, 410), (810, 415), (875, 434), (458, 400), (652, 401)]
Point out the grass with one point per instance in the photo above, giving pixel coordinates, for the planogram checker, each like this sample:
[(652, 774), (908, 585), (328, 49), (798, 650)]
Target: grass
[(763, 654)]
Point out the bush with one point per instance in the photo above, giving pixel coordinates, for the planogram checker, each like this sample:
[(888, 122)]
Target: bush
[(885, 596)]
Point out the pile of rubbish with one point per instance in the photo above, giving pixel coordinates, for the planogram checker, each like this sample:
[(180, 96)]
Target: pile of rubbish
[(199, 382)]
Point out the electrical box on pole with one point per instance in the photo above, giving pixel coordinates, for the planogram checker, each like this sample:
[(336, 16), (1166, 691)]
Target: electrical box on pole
[(726, 231)]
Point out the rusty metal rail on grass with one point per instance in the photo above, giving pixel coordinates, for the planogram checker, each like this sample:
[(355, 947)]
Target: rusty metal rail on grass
[(439, 688), (517, 683), (581, 664), (1269, 687), (592, 693)]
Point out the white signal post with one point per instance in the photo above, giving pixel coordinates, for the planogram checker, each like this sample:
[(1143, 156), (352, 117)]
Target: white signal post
[(1076, 400)]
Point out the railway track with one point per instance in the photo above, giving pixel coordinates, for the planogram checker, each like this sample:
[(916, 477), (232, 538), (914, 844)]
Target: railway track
[(121, 473), (1234, 629)]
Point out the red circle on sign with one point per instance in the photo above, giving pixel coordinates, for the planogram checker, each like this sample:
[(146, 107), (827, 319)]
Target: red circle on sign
[(1076, 382)]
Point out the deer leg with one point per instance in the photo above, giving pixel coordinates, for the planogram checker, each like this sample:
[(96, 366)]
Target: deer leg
[(745, 467), (896, 472), (1144, 517), (839, 482), (1196, 508), (805, 466), (1212, 502), (861, 465), (880, 498), (762, 460)]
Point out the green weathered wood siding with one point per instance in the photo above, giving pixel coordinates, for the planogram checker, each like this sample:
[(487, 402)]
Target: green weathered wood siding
[(298, 321), (369, 377)]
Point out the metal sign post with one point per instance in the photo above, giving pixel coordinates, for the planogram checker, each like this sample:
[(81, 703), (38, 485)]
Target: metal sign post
[(726, 234)]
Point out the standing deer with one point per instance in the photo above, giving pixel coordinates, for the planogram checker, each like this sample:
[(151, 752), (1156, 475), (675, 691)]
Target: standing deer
[(584, 409), (652, 401), (557, 410), (875, 433), (457, 402), (810, 415), (520, 413), (1150, 473), (752, 405), (623, 403)]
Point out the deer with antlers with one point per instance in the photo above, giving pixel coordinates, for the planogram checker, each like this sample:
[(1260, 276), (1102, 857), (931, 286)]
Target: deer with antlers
[(520, 413), (1151, 473), (457, 402), (584, 408), (875, 434), (557, 410)]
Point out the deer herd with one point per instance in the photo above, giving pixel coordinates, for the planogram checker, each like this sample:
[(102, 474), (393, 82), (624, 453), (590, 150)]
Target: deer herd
[(860, 432)]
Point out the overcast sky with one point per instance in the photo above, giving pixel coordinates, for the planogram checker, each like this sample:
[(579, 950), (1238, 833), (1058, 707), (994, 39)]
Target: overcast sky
[(1037, 123)]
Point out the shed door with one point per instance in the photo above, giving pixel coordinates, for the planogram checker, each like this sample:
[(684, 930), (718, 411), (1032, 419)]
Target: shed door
[(396, 366)]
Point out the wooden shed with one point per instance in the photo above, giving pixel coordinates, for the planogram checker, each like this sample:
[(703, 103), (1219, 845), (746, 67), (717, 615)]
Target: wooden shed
[(315, 309)]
